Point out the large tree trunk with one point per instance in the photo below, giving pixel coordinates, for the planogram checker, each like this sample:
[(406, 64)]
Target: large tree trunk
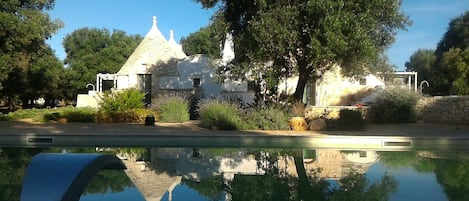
[(300, 86)]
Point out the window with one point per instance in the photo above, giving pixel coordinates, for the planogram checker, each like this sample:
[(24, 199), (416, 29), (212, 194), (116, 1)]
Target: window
[(362, 154), (362, 81), (196, 82)]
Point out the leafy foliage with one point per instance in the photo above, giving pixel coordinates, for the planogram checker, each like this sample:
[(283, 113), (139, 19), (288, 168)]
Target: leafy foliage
[(123, 106), (457, 65), (23, 114), (121, 101), (129, 116), (172, 109), (72, 114), (28, 67), (206, 40), (394, 105), (451, 52), (306, 37), (216, 114), (267, 118), (348, 120), (422, 61)]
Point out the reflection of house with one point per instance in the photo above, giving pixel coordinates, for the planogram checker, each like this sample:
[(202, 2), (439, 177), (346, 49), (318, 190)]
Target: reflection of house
[(331, 164), (196, 166), (151, 184), (165, 167)]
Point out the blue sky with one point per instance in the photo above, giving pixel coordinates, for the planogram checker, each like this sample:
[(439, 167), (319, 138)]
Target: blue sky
[(430, 20)]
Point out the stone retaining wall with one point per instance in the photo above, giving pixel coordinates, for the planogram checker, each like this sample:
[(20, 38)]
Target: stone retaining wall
[(329, 112), (435, 109), (444, 109)]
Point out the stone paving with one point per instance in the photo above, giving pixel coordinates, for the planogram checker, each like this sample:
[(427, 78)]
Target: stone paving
[(191, 128)]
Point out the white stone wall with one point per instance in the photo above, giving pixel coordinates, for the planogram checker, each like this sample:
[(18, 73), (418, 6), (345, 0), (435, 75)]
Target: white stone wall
[(193, 67), (333, 89)]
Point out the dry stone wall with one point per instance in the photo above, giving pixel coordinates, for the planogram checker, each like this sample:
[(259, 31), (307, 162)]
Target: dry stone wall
[(444, 109), (329, 112)]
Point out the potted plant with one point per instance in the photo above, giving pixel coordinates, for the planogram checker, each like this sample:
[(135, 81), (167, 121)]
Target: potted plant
[(297, 121)]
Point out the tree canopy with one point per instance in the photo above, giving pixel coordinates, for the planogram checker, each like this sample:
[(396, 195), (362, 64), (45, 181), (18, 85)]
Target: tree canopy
[(206, 41), (450, 71), (308, 37), (24, 55), (91, 51), (422, 62)]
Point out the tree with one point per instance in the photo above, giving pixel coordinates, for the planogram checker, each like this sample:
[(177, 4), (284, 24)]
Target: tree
[(91, 51), (39, 80), (308, 37), (205, 41), (456, 62), (457, 35), (422, 62), (24, 27), (443, 75)]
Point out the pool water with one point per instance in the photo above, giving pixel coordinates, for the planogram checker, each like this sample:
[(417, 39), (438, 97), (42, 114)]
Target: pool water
[(261, 174)]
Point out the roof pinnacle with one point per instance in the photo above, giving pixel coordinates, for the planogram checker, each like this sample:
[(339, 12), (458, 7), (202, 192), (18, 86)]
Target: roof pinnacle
[(154, 21), (171, 34)]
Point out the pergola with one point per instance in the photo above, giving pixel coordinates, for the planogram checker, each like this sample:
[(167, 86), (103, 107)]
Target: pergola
[(100, 77)]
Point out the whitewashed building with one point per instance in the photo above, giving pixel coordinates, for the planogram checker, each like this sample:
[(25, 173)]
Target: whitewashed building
[(159, 66)]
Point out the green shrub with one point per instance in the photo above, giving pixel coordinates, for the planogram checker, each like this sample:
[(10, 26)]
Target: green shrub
[(120, 106), (85, 114), (267, 118), (24, 114), (121, 101), (350, 120), (130, 116), (394, 105), (215, 114), (72, 114), (173, 109), (53, 116)]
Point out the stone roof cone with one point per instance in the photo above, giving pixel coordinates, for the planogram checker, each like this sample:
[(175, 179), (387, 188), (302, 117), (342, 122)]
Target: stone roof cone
[(152, 51), (177, 47)]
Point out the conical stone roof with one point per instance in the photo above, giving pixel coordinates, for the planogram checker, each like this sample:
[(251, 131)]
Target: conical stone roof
[(176, 47), (153, 51)]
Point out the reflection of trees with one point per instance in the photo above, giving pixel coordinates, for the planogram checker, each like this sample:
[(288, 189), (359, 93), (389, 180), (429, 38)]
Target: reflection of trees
[(259, 188), (451, 169), (407, 159), (211, 188), (275, 185), (108, 181), (13, 163), (454, 177), (357, 187)]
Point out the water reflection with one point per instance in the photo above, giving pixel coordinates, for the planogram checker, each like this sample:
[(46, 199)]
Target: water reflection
[(261, 174)]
